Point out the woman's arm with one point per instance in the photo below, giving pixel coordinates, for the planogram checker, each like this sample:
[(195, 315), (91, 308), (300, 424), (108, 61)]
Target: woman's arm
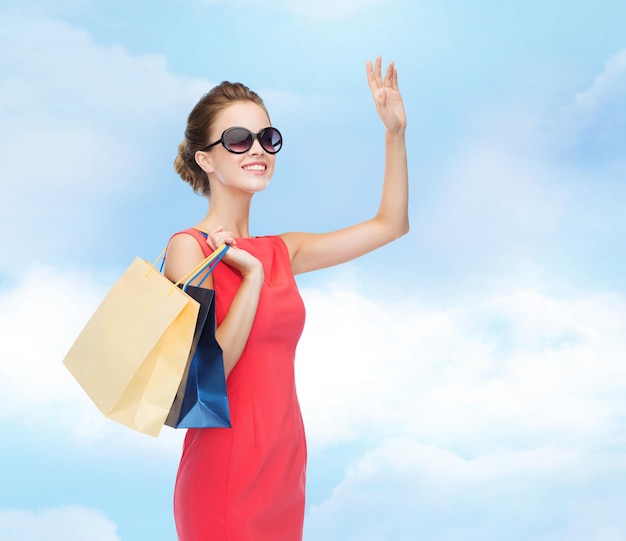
[(184, 253), (311, 251)]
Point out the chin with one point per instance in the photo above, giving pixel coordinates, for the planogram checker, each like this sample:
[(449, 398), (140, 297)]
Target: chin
[(257, 187)]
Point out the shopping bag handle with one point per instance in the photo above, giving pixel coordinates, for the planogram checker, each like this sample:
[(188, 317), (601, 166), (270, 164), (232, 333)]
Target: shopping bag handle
[(208, 264)]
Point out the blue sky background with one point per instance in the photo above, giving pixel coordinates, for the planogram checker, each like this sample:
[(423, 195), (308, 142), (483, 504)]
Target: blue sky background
[(464, 383)]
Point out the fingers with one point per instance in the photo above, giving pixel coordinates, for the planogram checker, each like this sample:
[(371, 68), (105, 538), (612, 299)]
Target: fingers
[(391, 76), (371, 78), (377, 71), (394, 77), (375, 79), (218, 236)]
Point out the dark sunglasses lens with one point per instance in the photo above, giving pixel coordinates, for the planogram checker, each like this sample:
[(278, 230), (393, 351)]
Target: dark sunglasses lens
[(271, 140), (238, 140)]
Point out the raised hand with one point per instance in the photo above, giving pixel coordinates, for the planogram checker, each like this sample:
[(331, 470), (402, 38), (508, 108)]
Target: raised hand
[(386, 95)]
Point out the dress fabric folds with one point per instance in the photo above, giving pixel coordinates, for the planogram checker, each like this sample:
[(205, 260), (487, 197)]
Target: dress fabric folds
[(247, 483)]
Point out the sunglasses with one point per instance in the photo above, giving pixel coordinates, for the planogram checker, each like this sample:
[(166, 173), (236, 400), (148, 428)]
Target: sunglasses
[(239, 140)]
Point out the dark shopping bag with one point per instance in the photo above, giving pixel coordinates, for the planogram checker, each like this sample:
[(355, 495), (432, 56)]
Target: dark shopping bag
[(202, 400)]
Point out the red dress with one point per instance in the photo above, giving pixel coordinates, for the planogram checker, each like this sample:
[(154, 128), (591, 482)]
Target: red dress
[(246, 483)]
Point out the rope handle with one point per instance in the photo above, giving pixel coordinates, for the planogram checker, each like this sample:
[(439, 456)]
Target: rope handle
[(207, 265)]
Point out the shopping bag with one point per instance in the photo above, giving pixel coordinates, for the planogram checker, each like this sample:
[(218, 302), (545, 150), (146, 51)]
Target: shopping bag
[(202, 400), (132, 353)]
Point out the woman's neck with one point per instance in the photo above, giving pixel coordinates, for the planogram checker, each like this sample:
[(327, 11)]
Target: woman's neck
[(231, 213)]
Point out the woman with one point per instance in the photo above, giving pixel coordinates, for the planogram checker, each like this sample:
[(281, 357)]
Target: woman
[(247, 483)]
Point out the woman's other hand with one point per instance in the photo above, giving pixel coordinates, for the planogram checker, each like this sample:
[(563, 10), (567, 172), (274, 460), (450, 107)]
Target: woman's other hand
[(386, 95)]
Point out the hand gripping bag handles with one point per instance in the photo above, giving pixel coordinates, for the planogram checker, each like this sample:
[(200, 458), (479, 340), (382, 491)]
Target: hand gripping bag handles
[(132, 354)]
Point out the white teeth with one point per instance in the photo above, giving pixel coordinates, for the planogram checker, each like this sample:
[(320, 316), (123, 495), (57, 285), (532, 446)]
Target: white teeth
[(254, 168)]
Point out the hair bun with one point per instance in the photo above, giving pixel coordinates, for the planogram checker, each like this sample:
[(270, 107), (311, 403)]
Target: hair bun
[(180, 163)]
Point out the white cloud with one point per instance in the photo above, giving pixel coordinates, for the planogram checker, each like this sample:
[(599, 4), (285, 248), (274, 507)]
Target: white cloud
[(592, 128), (82, 122), (526, 197), (609, 85), (66, 523), (525, 369), (60, 66), (500, 419), (405, 490), (40, 317)]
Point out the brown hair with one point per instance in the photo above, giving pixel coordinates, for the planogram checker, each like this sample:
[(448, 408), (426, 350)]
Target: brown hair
[(199, 124)]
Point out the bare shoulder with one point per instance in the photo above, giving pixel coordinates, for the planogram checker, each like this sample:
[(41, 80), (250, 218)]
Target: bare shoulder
[(306, 250), (293, 240), (183, 254)]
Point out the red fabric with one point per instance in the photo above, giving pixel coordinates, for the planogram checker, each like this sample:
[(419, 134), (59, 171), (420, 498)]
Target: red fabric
[(247, 483)]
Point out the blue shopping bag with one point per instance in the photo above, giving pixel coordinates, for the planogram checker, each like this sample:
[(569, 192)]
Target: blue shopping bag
[(202, 400)]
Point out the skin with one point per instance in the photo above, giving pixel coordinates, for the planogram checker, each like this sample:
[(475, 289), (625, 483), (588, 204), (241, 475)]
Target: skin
[(233, 184)]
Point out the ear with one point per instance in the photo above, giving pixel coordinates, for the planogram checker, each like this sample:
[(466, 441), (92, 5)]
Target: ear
[(204, 161)]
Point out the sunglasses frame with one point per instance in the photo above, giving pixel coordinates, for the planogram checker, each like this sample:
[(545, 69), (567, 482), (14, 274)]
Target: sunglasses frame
[(256, 136)]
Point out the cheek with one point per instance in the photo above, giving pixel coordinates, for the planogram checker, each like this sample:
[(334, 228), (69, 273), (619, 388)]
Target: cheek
[(272, 163)]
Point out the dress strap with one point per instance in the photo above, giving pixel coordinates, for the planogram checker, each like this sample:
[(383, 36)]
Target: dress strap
[(200, 236)]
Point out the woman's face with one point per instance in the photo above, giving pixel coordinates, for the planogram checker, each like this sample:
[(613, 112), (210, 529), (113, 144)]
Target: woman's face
[(249, 172)]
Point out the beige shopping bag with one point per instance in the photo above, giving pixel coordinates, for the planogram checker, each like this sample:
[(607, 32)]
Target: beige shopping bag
[(131, 355)]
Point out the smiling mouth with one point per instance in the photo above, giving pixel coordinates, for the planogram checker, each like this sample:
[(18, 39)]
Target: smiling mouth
[(255, 167)]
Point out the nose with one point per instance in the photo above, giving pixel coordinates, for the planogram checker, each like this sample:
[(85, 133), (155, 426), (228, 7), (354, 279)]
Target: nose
[(256, 148)]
